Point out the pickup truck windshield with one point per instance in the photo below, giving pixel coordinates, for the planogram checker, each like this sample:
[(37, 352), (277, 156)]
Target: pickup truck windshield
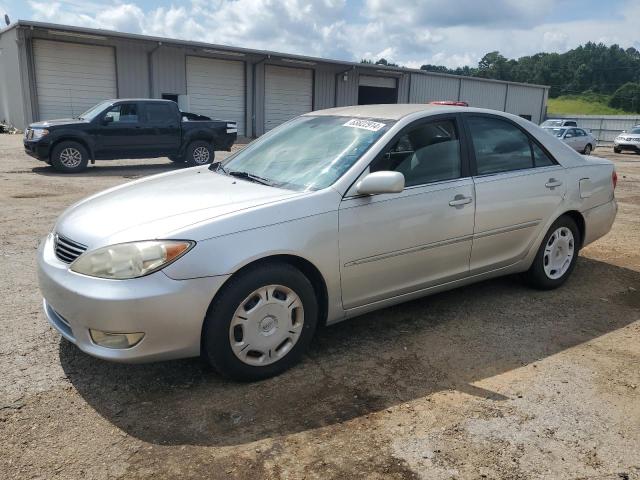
[(93, 112), (307, 153)]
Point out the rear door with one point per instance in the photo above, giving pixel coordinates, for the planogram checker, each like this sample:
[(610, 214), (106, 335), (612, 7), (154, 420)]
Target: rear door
[(518, 188), (394, 244), (162, 128)]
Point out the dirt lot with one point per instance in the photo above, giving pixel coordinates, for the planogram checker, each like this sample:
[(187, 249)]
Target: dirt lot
[(489, 381)]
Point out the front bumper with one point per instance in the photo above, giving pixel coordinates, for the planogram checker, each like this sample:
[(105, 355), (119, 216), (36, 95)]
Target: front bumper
[(169, 312), (623, 145), (38, 149)]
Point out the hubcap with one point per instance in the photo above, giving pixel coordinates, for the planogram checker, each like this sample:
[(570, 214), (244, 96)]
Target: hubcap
[(201, 155), (266, 325), (70, 157), (558, 253)]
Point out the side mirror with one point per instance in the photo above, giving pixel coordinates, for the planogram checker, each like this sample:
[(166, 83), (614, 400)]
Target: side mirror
[(381, 182), (568, 135), (107, 120)]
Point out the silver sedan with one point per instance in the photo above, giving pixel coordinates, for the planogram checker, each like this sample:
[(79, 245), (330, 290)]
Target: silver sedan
[(333, 214), (577, 138)]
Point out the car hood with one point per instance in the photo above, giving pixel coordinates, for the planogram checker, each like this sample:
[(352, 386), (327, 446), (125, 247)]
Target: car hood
[(159, 205), (629, 135), (57, 122)]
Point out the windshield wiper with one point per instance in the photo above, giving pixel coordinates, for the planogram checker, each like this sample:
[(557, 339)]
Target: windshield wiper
[(250, 176)]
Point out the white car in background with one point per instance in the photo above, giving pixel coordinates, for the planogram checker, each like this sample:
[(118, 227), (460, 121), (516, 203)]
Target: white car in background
[(628, 141), (577, 138)]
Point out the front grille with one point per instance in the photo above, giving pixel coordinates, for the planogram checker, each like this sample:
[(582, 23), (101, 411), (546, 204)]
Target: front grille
[(68, 250)]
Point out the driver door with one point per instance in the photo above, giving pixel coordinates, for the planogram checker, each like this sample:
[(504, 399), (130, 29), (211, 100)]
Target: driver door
[(120, 132), (395, 244)]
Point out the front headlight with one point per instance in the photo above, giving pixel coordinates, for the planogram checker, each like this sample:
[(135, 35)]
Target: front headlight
[(130, 260), (38, 133)]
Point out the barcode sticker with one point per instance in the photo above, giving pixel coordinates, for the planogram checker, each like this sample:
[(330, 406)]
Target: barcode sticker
[(364, 124)]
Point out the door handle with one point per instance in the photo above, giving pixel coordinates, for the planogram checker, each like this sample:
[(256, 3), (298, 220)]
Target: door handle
[(553, 183), (460, 200)]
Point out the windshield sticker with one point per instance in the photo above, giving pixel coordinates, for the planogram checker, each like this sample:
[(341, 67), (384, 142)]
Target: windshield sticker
[(364, 124)]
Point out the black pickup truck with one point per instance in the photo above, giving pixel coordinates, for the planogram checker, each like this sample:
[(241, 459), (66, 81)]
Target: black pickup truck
[(133, 128)]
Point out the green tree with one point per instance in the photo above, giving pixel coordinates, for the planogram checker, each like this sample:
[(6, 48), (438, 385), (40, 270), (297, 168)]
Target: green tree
[(627, 97)]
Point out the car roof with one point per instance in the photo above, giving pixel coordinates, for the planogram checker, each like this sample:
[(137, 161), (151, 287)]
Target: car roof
[(397, 111)]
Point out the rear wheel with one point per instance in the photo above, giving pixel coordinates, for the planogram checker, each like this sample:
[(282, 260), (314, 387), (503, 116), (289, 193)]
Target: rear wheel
[(199, 153), (587, 149), (557, 255), (260, 323), (69, 157)]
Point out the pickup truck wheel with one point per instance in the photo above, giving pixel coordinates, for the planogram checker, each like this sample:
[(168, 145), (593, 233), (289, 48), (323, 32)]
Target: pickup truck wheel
[(199, 153), (617, 150), (69, 157)]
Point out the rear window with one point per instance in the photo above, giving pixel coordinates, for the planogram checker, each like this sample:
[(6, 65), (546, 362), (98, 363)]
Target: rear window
[(160, 113)]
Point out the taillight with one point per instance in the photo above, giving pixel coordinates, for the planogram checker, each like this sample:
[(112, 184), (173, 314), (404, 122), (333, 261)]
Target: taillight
[(614, 179)]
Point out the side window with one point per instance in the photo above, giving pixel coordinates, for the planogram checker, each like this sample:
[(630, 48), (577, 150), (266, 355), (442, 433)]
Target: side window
[(571, 133), (580, 132), (160, 114), (499, 146), (424, 154), (571, 123), (123, 113), (540, 159)]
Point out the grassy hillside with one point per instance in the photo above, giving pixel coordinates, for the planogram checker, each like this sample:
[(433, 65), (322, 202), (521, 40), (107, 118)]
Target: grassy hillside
[(586, 104)]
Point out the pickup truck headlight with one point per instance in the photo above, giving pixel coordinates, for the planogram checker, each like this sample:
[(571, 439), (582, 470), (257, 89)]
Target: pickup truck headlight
[(130, 260), (38, 133)]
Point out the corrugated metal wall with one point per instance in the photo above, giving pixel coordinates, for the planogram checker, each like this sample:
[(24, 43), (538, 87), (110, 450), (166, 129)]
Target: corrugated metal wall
[(404, 83), (324, 89), (483, 94), (347, 89), (132, 63), (429, 88), (523, 100), (12, 109), (168, 71)]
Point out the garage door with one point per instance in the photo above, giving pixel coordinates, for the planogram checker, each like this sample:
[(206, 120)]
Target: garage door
[(216, 89), (71, 78), (288, 93)]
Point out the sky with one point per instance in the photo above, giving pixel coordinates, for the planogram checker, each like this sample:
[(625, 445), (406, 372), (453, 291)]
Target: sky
[(408, 32)]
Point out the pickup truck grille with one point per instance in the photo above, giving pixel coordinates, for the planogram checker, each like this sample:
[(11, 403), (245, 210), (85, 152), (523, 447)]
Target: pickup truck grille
[(67, 250)]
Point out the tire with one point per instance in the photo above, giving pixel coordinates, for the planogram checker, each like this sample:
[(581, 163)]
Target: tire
[(199, 153), (617, 150), (245, 341), (587, 149), (548, 271), (176, 159), (69, 157)]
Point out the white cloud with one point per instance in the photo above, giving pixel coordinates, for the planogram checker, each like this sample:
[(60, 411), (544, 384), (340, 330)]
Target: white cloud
[(409, 32)]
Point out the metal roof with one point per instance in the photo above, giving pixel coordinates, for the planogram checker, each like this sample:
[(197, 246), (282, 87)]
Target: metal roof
[(247, 51)]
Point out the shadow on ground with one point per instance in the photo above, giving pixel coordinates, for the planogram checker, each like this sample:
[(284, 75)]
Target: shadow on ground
[(103, 169), (364, 365)]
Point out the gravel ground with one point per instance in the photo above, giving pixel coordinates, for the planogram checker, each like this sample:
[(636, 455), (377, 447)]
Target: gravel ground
[(492, 380)]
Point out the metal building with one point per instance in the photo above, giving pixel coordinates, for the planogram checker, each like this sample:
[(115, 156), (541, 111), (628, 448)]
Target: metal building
[(53, 71)]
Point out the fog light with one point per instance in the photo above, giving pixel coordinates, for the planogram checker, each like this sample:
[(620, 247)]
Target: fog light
[(115, 340)]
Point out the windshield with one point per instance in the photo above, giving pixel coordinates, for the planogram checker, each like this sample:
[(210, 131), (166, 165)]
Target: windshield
[(552, 123), (307, 153), (558, 132), (93, 112), (635, 131)]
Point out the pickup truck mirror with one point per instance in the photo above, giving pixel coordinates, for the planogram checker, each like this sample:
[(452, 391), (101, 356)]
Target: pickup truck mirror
[(106, 120)]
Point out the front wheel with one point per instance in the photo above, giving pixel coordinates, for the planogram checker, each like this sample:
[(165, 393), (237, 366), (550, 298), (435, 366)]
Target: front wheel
[(260, 323), (617, 150), (587, 149), (69, 157), (199, 153), (557, 255)]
